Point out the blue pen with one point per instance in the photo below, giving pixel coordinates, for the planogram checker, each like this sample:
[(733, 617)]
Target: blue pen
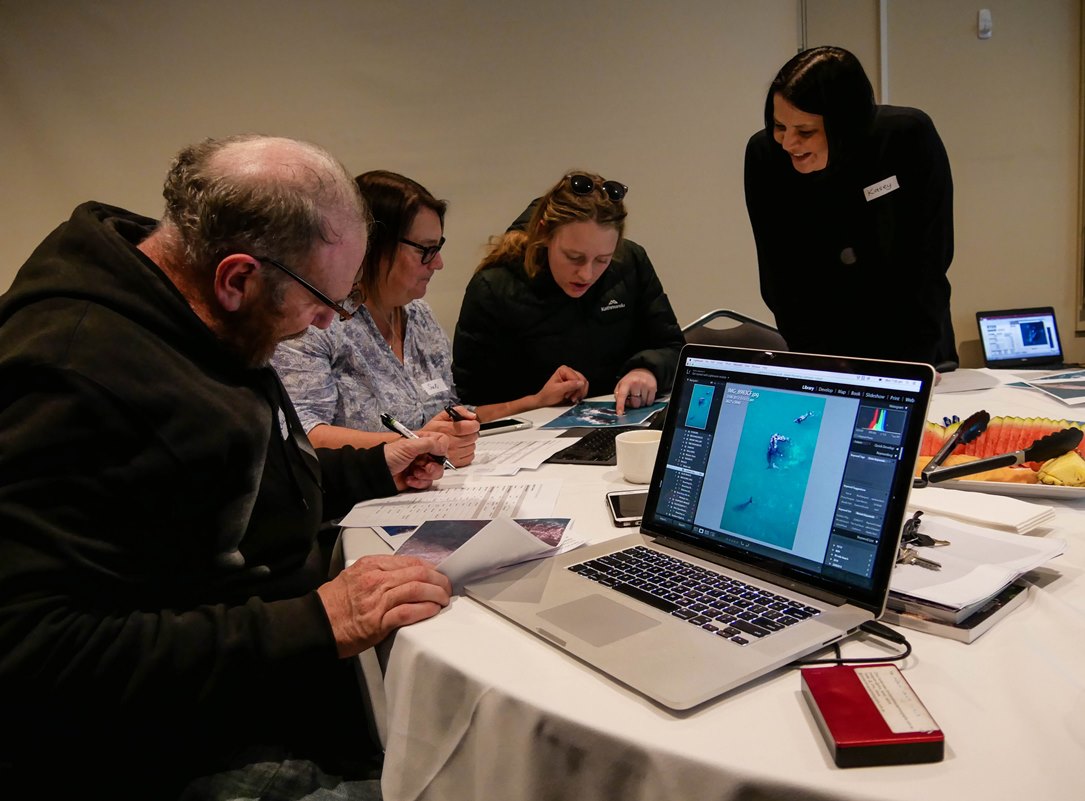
[(393, 424)]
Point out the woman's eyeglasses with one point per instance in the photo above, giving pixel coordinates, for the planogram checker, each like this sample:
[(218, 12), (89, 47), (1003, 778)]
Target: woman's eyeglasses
[(429, 252), (343, 313), (584, 185)]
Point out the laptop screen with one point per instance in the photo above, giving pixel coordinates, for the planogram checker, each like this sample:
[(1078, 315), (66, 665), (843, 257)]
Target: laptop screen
[(1019, 337), (793, 464)]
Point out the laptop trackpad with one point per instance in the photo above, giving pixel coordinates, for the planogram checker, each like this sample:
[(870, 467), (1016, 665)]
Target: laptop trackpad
[(598, 620)]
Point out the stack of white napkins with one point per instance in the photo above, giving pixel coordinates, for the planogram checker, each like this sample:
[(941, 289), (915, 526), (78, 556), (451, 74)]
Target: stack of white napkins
[(983, 508)]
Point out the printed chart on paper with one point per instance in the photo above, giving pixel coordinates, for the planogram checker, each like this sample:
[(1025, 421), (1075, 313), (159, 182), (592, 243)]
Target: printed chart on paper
[(469, 502)]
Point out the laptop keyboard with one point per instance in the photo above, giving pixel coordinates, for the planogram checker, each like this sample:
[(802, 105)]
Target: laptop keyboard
[(595, 447), (721, 605)]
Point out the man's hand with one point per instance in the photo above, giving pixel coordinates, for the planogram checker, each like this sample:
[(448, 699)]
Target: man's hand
[(637, 388), (411, 461), (378, 594)]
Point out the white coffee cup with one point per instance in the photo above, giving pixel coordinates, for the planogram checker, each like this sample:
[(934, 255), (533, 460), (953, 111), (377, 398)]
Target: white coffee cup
[(636, 452)]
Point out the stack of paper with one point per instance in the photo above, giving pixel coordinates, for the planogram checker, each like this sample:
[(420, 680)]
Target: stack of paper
[(973, 624), (458, 498), (1069, 387), (499, 456), (985, 509), (465, 527), (977, 564), (465, 549)]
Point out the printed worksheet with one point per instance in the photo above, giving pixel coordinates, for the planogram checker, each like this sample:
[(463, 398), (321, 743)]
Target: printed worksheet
[(469, 499), (502, 457)]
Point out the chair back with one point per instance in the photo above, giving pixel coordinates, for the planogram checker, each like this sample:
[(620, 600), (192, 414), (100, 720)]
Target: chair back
[(749, 333)]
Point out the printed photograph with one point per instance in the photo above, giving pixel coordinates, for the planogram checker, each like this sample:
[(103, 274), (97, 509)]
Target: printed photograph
[(602, 414)]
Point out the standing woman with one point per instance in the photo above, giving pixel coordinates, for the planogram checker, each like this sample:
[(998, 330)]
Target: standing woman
[(567, 298), (851, 205), (392, 355)]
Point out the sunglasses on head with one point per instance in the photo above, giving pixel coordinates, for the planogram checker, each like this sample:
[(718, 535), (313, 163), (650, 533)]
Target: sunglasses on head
[(584, 185)]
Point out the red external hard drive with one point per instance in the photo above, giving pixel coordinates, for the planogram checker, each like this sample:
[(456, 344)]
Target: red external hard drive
[(870, 715)]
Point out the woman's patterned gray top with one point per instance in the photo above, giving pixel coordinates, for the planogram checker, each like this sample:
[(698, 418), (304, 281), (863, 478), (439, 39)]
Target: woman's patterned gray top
[(346, 375)]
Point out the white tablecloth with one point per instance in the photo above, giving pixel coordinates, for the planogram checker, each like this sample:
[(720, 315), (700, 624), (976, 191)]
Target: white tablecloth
[(479, 709)]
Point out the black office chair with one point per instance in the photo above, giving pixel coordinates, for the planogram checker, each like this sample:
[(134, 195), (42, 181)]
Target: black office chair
[(749, 333)]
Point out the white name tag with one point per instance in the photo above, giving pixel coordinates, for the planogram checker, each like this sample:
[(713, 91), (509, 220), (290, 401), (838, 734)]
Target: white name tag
[(883, 187), (435, 387)]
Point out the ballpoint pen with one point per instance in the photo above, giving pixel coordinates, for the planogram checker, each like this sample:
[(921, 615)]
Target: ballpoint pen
[(450, 410), (393, 424)]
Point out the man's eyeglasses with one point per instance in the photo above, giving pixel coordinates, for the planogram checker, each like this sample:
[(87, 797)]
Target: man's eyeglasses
[(429, 252), (583, 185), (343, 313)]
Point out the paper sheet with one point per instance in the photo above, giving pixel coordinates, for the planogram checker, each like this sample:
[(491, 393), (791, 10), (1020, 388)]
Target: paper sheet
[(993, 511), (1069, 390), (506, 457), (464, 549), (462, 499), (976, 564)]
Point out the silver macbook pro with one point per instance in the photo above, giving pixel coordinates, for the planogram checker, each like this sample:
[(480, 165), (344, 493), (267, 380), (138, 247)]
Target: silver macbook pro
[(770, 530)]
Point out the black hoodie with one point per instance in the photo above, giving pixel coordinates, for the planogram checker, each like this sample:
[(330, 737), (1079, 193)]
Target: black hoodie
[(159, 510)]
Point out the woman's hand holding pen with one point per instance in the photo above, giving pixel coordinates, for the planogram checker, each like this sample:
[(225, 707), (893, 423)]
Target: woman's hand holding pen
[(461, 428), (411, 462)]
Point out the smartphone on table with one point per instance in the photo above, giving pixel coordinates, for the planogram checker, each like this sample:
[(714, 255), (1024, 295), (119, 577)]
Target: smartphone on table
[(627, 506), (500, 426)]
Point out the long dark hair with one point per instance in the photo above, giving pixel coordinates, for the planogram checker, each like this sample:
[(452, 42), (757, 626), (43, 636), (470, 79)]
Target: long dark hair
[(394, 201), (831, 82)]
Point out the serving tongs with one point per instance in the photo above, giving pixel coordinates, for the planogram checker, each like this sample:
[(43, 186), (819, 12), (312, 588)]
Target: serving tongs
[(1046, 447), (972, 426)]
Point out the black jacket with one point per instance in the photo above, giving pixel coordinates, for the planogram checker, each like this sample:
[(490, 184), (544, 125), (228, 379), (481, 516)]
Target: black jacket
[(514, 332), (159, 510), (851, 276)]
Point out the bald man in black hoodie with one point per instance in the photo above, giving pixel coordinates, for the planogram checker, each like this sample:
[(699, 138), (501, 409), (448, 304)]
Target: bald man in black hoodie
[(166, 611)]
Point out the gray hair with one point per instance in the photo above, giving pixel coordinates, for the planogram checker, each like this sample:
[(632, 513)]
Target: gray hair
[(264, 196)]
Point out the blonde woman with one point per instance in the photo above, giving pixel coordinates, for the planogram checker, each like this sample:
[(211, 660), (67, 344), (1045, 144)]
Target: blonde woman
[(567, 296)]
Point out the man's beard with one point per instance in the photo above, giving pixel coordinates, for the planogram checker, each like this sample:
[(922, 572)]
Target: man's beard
[(252, 333)]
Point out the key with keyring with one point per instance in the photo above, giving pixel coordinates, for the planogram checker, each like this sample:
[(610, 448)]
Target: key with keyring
[(921, 540), (912, 536), (910, 556)]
